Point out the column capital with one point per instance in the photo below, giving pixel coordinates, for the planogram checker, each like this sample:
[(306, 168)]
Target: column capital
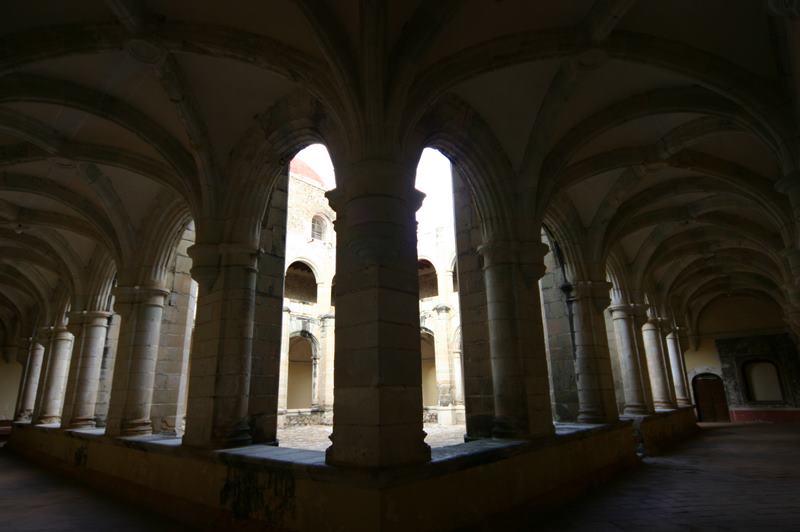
[(622, 310), (595, 291), (146, 295), (528, 255), (44, 333)]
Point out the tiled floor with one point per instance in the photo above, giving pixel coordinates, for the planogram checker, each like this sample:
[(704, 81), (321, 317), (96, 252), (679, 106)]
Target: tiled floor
[(744, 477), (732, 477)]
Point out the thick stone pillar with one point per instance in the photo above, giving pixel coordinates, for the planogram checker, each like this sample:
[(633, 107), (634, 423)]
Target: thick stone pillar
[(676, 363), (141, 310), (655, 365), (516, 339), (33, 372), (378, 380), (217, 414), (52, 401), (596, 400), (633, 387), (89, 329)]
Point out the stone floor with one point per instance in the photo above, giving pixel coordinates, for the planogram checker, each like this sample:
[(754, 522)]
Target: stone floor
[(731, 477), (315, 437), (33, 500)]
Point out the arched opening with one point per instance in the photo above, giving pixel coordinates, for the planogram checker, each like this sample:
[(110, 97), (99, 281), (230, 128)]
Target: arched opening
[(428, 287), (428, 352), (762, 381), (299, 387), (301, 283), (709, 395)]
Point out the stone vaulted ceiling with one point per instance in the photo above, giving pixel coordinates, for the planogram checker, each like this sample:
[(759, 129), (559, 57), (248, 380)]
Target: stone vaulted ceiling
[(657, 139)]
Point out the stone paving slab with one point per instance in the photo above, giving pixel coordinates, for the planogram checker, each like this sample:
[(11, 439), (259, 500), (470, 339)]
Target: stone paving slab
[(732, 477)]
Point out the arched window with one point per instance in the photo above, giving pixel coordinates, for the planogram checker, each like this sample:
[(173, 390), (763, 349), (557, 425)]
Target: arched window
[(763, 383), (428, 286), (318, 227), (300, 283)]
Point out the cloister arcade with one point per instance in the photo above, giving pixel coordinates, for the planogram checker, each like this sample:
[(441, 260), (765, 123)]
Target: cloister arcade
[(626, 218)]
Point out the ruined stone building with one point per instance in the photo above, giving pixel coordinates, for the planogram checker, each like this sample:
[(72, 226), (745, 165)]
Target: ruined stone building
[(179, 291)]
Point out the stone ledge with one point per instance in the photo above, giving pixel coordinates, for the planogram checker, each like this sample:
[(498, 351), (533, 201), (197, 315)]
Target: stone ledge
[(294, 490), (658, 432)]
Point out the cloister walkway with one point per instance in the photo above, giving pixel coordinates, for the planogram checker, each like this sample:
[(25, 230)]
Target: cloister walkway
[(730, 477)]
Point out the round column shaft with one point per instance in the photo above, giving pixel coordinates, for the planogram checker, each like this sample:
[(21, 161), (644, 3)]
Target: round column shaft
[(633, 389), (53, 395), (676, 364), (34, 370), (655, 365)]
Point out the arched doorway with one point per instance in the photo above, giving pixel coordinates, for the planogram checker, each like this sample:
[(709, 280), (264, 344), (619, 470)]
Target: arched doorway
[(430, 391), (300, 387), (709, 395), (300, 283)]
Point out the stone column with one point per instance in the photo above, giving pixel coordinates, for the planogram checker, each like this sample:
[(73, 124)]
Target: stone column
[(378, 374), (90, 330), (596, 400), (655, 365), (516, 339), (635, 402), (29, 387), (53, 394), (638, 319), (217, 414), (675, 355), (444, 369), (667, 363), (283, 379), (141, 310)]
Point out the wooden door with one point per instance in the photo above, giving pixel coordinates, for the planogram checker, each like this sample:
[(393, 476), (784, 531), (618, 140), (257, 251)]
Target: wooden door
[(709, 394)]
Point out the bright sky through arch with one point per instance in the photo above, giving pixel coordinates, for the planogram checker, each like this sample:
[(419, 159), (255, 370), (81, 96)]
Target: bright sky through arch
[(433, 178)]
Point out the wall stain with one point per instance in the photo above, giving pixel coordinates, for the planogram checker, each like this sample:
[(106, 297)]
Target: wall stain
[(81, 456), (267, 495)]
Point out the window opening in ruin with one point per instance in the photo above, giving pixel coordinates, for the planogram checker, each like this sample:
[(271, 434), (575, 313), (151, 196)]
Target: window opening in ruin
[(318, 228)]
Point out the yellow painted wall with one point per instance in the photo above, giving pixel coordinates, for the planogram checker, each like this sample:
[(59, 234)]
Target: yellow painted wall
[(731, 316), (10, 376)]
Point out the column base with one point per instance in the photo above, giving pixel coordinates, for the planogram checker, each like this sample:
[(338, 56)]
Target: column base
[(684, 402), (136, 427), (510, 429), (635, 410), (661, 405), (81, 423), (48, 420)]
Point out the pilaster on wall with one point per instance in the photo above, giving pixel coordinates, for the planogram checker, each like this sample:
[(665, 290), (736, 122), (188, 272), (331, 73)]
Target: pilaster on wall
[(477, 371), (267, 332), (516, 337), (141, 310), (597, 402), (107, 370), (89, 329), (560, 349), (217, 413)]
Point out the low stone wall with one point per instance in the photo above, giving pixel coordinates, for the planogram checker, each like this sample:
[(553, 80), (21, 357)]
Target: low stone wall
[(765, 415), (658, 432), (480, 483)]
